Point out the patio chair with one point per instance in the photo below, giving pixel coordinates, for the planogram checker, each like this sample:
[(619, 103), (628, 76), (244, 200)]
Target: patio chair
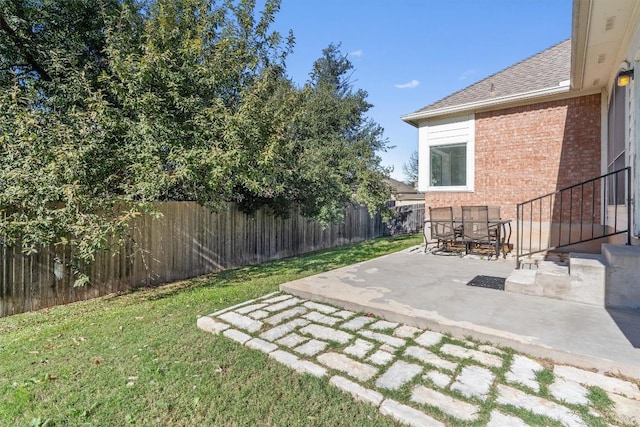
[(457, 214), (442, 228), (477, 229), (494, 215), (494, 212)]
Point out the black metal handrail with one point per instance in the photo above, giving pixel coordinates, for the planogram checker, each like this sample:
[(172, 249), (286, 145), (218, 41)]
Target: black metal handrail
[(569, 208)]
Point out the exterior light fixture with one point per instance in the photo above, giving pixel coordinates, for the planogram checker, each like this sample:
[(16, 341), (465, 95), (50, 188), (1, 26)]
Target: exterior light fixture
[(624, 77)]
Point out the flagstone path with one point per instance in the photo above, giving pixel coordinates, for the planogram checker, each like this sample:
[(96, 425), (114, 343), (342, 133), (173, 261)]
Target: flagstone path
[(435, 379)]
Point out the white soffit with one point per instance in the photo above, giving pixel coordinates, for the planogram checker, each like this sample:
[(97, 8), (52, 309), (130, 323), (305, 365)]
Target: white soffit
[(601, 29)]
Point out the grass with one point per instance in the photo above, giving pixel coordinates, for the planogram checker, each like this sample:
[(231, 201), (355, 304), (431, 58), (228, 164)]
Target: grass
[(138, 358)]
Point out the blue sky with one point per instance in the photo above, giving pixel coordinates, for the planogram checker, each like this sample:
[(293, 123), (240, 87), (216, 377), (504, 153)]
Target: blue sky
[(410, 53)]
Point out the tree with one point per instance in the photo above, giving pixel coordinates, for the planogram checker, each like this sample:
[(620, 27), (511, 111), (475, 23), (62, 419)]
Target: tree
[(56, 149), (410, 169), (344, 139), (108, 106), (331, 158), (41, 40), (136, 107), (190, 91)]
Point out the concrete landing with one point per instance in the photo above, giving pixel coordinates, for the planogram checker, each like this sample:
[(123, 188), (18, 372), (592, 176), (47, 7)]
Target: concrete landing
[(430, 291)]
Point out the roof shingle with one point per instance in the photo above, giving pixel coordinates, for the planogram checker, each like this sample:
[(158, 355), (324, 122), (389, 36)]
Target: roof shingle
[(544, 70)]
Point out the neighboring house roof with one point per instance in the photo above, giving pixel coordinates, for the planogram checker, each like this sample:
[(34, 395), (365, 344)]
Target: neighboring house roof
[(545, 73), (404, 191)]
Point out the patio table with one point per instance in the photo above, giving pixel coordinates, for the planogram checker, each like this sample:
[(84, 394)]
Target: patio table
[(502, 227)]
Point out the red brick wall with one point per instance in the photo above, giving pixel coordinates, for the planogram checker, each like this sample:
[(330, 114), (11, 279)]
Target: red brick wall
[(525, 152)]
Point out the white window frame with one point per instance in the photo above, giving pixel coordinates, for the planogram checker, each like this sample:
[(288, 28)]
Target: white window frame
[(443, 132)]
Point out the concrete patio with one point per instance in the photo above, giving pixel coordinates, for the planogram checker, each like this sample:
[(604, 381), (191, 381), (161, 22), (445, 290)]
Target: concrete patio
[(430, 291)]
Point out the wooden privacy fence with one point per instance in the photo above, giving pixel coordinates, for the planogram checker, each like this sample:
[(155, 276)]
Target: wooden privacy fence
[(408, 219), (187, 241)]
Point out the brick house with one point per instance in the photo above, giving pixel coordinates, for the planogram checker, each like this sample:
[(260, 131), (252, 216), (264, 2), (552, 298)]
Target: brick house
[(550, 121), (513, 136)]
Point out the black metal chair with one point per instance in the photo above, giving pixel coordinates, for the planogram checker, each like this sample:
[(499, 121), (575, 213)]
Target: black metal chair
[(494, 212), (443, 230), (457, 215), (478, 231)]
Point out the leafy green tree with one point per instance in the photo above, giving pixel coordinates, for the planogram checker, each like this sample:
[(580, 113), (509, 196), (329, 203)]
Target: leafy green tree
[(41, 40), (315, 147), (88, 142), (109, 105), (55, 151), (187, 90), (410, 169), (337, 156)]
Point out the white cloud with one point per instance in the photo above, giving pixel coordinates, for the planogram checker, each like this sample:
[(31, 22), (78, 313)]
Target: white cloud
[(357, 53), (466, 74), (410, 85)]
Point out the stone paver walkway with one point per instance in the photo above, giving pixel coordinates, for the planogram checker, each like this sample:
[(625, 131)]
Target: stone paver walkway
[(435, 380)]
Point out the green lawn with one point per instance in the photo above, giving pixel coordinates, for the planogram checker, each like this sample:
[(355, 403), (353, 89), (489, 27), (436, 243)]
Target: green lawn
[(140, 359)]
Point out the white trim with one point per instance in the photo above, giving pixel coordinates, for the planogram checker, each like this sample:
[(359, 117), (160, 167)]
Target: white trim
[(581, 22), (446, 131), (604, 146), (634, 152), (420, 115), (452, 189)]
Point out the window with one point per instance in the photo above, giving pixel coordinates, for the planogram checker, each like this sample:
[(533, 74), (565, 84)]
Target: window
[(446, 154), (448, 165)]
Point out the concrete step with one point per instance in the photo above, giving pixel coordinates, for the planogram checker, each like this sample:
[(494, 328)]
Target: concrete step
[(522, 282), (582, 279), (554, 280), (550, 279), (623, 290), (588, 274)]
